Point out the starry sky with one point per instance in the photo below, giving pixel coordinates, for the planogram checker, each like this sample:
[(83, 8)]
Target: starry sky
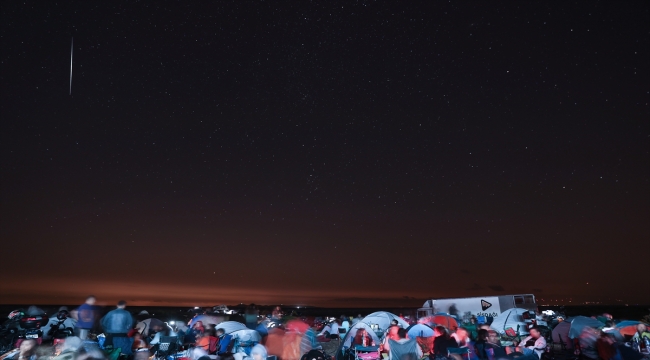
[(352, 153)]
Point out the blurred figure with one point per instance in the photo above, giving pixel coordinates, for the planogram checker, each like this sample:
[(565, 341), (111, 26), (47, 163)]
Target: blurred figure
[(362, 338), (262, 329), (309, 341), (178, 329), (276, 314), (484, 327), (442, 341), (224, 350), (208, 341), (198, 330), (259, 352), (26, 351), (404, 348), (86, 317), (606, 346), (330, 330), (641, 333), (610, 329), (193, 334), (481, 343), (138, 342), (461, 336), (533, 344), (251, 315), (391, 334), (345, 324), (357, 319), (472, 328), (116, 325), (587, 340), (148, 327), (493, 346), (70, 348), (291, 344)]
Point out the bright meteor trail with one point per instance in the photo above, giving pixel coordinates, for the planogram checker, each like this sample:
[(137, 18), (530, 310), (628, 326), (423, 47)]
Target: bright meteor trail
[(71, 47)]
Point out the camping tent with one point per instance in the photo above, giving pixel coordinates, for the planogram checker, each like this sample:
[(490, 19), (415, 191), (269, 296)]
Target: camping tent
[(231, 326), (578, 323), (510, 318), (419, 330), (443, 319), (347, 341), (383, 319), (628, 327), (423, 334)]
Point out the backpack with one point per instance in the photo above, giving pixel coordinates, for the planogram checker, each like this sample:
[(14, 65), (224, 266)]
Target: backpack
[(315, 355)]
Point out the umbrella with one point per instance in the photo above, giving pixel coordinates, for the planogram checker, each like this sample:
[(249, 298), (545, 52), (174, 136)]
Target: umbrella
[(421, 330), (383, 319), (578, 324), (231, 326), (296, 325), (440, 319), (246, 335)]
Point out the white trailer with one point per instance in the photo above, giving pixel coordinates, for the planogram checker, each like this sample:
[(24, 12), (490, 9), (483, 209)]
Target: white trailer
[(488, 306)]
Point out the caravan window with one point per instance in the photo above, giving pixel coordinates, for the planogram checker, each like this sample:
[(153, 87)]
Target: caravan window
[(422, 314), (529, 299), (519, 300)]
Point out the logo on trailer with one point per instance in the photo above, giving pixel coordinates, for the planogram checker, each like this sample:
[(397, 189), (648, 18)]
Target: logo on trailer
[(485, 305)]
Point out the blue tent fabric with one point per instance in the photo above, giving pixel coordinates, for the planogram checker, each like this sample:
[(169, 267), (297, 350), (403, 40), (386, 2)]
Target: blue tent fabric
[(626, 323), (419, 330), (578, 323)]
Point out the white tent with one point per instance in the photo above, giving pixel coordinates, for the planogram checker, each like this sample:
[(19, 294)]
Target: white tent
[(510, 319), (383, 319), (231, 326)]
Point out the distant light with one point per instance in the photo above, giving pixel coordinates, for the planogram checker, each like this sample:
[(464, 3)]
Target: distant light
[(196, 307), (172, 322)]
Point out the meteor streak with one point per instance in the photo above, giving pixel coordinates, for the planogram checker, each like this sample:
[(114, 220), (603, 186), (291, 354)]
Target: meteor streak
[(71, 47)]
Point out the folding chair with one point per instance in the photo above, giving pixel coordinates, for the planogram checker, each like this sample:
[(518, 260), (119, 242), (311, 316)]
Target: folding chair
[(168, 346), (464, 352), (366, 352)]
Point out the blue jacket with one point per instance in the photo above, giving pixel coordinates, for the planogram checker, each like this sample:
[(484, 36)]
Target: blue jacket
[(262, 329), (86, 316), (224, 341), (118, 321)]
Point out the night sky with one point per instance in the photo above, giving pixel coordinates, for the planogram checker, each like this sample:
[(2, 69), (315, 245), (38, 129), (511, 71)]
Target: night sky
[(353, 153)]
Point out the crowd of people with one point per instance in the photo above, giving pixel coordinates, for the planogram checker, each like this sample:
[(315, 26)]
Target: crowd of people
[(141, 337)]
